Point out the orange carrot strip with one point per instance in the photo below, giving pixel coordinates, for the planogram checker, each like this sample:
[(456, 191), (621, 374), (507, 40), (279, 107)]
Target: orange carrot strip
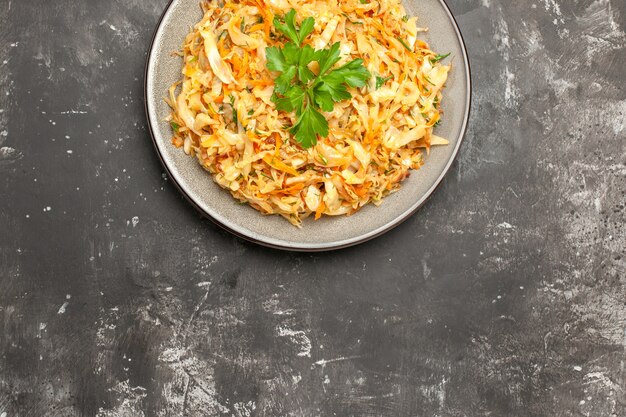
[(269, 18), (261, 83), (279, 144), (320, 209), (254, 28), (294, 189), (178, 142), (279, 165), (236, 61)]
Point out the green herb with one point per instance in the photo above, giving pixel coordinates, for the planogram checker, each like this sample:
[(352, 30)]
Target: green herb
[(175, 126), (250, 112), (406, 45), (380, 81), (354, 22), (364, 1), (437, 123), (297, 89), (323, 159), (242, 27), (405, 19), (235, 116), (439, 58), (289, 29)]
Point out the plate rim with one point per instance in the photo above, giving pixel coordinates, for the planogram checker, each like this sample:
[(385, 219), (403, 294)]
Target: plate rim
[(326, 246)]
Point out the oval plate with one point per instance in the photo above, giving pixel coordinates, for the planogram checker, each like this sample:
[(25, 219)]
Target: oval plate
[(163, 69)]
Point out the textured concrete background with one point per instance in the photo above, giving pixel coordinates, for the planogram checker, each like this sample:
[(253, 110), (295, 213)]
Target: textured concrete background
[(504, 296)]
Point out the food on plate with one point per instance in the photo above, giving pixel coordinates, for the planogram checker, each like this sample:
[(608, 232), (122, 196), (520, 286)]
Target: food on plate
[(305, 109)]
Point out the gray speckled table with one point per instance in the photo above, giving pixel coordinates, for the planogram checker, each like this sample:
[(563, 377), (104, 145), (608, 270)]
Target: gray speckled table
[(504, 296)]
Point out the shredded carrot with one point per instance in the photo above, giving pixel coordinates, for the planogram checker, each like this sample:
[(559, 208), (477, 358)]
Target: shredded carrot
[(257, 27), (177, 141), (261, 83), (293, 190), (236, 62), (279, 143), (321, 208), (279, 165), (269, 17), (244, 65), (360, 191)]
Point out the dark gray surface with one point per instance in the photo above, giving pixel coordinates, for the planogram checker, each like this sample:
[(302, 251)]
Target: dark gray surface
[(504, 296)]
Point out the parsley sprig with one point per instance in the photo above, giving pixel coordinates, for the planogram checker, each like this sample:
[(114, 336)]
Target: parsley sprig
[(298, 89)]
